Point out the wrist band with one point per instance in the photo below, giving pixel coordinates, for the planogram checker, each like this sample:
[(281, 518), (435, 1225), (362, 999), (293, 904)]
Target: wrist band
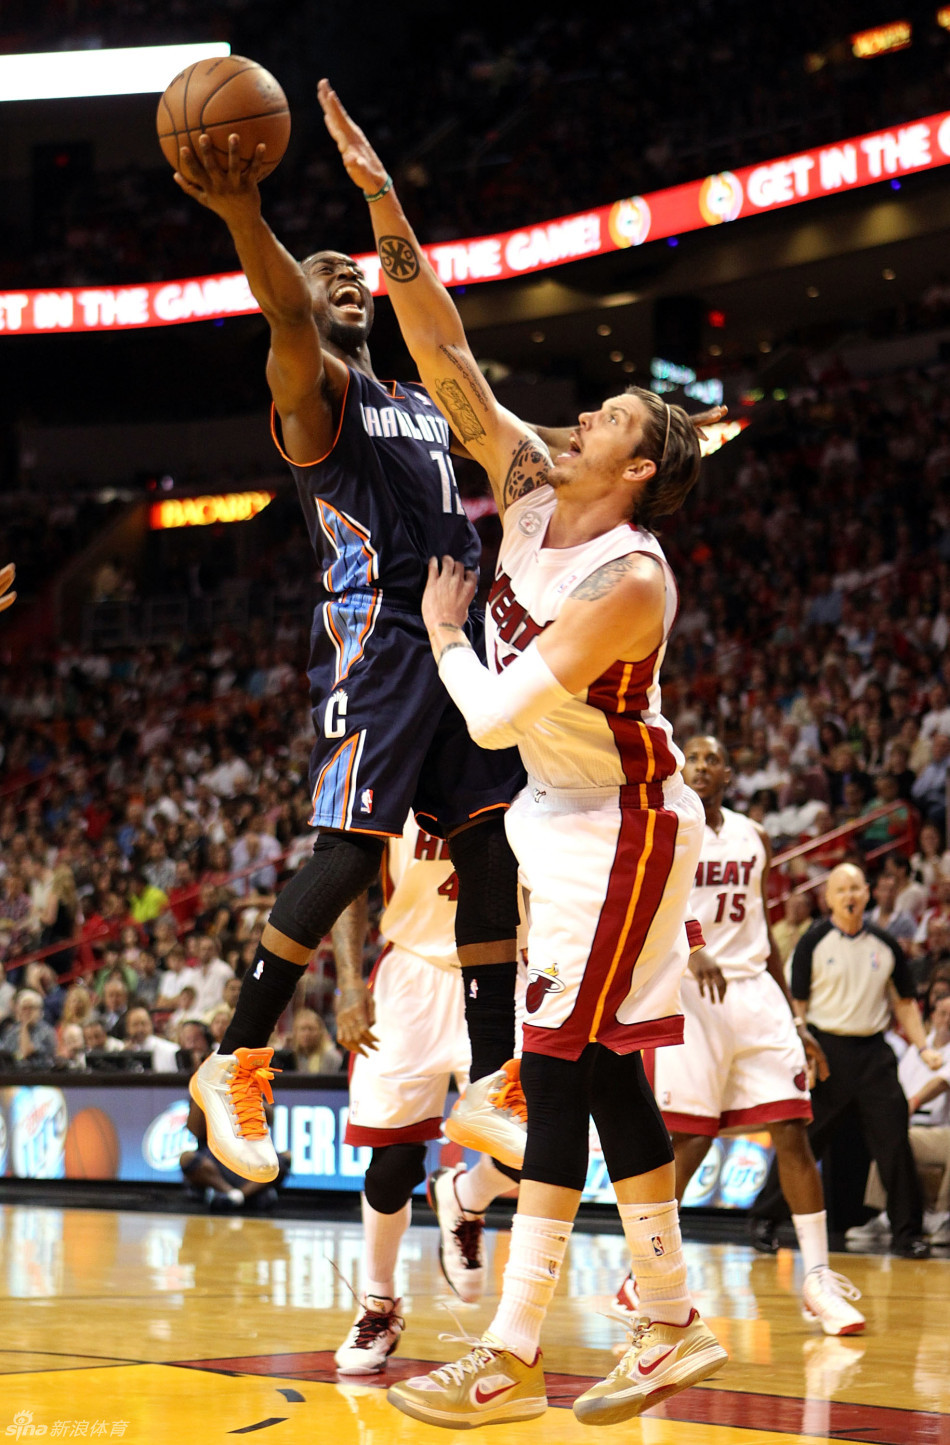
[(384, 190)]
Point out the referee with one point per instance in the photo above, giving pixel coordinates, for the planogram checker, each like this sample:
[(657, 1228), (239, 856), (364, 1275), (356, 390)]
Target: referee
[(848, 978)]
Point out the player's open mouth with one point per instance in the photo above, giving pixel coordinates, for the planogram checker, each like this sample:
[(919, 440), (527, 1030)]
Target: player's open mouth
[(574, 450), (348, 298)]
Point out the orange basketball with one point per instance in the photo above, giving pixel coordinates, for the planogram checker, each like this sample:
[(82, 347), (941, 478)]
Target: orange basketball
[(92, 1146), (221, 97)]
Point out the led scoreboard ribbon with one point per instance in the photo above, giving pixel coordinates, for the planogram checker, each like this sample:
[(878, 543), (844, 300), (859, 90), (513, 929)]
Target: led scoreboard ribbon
[(715, 200)]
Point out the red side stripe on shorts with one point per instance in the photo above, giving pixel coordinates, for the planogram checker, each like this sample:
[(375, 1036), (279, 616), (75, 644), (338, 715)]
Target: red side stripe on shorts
[(642, 861)]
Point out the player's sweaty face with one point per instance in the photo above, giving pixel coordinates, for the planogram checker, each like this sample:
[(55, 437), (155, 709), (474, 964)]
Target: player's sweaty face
[(705, 769)]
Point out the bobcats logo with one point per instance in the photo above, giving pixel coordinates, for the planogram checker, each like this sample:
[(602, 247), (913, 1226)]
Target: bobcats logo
[(539, 985)]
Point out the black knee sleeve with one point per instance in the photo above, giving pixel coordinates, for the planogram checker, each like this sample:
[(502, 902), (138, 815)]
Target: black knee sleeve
[(558, 1144), (487, 909), (342, 867), (629, 1123), (393, 1173)]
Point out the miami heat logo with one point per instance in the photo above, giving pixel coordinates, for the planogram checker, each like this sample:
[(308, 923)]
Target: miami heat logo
[(629, 222), (720, 198), (538, 985)]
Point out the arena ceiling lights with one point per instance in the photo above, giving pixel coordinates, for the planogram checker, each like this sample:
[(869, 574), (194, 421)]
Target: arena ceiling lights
[(64, 74)]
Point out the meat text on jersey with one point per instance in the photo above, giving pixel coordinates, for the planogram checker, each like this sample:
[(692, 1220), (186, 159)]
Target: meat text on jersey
[(713, 872), (514, 623)]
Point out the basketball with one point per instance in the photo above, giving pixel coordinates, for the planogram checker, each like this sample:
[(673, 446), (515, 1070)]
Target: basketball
[(92, 1146), (221, 97)]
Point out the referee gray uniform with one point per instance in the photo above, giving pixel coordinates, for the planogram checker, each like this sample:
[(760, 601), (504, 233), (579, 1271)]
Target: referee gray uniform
[(844, 980)]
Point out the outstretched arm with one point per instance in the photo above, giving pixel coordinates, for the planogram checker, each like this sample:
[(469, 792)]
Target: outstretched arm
[(512, 455), (304, 380)]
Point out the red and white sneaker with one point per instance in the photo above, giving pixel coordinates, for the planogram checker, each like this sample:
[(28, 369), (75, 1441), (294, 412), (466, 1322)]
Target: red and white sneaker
[(825, 1297), (373, 1336), (461, 1243), (230, 1090), (625, 1304)]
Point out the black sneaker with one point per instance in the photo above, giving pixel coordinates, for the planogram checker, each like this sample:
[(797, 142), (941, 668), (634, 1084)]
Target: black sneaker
[(914, 1248), (763, 1235)]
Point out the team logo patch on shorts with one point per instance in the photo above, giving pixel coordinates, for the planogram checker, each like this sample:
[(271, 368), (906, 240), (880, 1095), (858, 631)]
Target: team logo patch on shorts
[(366, 800), (540, 984)]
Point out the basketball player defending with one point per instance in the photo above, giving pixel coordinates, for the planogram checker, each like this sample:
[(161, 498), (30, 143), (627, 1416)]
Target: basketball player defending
[(606, 833), (397, 1094), (372, 467), (743, 1065)]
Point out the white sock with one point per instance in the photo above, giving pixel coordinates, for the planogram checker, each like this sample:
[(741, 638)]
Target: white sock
[(476, 1188), (652, 1232), (382, 1236), (531, 1276), (811, 1231)]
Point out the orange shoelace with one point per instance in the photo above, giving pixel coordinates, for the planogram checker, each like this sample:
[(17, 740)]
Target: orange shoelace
[(249, 1087), (510, 1095)]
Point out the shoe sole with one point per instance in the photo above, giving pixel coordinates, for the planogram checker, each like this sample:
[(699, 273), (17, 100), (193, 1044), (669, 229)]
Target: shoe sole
[(471, 1299), (499, 1415), (260, 1177), (470, 1138), (605, 1410), (809, 1316)]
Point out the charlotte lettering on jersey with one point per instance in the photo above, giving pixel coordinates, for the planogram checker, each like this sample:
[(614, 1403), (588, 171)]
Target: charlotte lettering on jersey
[(515, 625), (392, 421), (715, 872)]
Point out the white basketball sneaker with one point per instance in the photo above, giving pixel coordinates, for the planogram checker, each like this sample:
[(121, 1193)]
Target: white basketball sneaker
[(825, 1297), (461, 1244), (373, 1336), (230, 1090), (492, 1117)]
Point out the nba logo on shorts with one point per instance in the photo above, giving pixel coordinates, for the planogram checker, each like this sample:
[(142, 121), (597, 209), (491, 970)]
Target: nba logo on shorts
[(657, 1242), (366, 800)]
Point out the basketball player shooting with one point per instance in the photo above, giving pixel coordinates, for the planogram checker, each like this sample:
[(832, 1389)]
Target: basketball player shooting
[(606, 833), (373, 470)]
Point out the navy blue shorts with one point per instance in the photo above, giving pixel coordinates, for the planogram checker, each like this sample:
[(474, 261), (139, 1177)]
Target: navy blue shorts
[(389, 737)]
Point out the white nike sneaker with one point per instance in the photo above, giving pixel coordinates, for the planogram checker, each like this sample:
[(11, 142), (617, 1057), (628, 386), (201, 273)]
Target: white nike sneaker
[(461, 1243), (373, 1336), (876, 1231), (662, 1360), (488, 1386), (230, 1090), (825, 1297), (492, 1117)]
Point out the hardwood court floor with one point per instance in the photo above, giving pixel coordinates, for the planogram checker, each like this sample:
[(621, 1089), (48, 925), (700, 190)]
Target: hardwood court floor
[(165, 1329)]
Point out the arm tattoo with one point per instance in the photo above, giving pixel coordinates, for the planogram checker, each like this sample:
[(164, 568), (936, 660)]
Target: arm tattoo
[(527, 472), (599, 583), (398, 258), (471, 373), (459, 409)]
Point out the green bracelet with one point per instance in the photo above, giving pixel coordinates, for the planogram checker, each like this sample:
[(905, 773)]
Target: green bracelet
[(384, 190)]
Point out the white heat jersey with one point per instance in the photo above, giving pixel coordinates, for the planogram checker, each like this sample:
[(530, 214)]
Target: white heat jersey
[(614, 732), (726, 896), (419, 890)]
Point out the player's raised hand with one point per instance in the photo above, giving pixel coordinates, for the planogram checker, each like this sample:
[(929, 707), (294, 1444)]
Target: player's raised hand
[(362, 164), (355, 1016), (225, 187), (7, 577)]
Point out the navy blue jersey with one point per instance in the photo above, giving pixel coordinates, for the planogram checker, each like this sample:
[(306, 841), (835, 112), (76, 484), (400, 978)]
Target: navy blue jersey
[(384, 498)]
